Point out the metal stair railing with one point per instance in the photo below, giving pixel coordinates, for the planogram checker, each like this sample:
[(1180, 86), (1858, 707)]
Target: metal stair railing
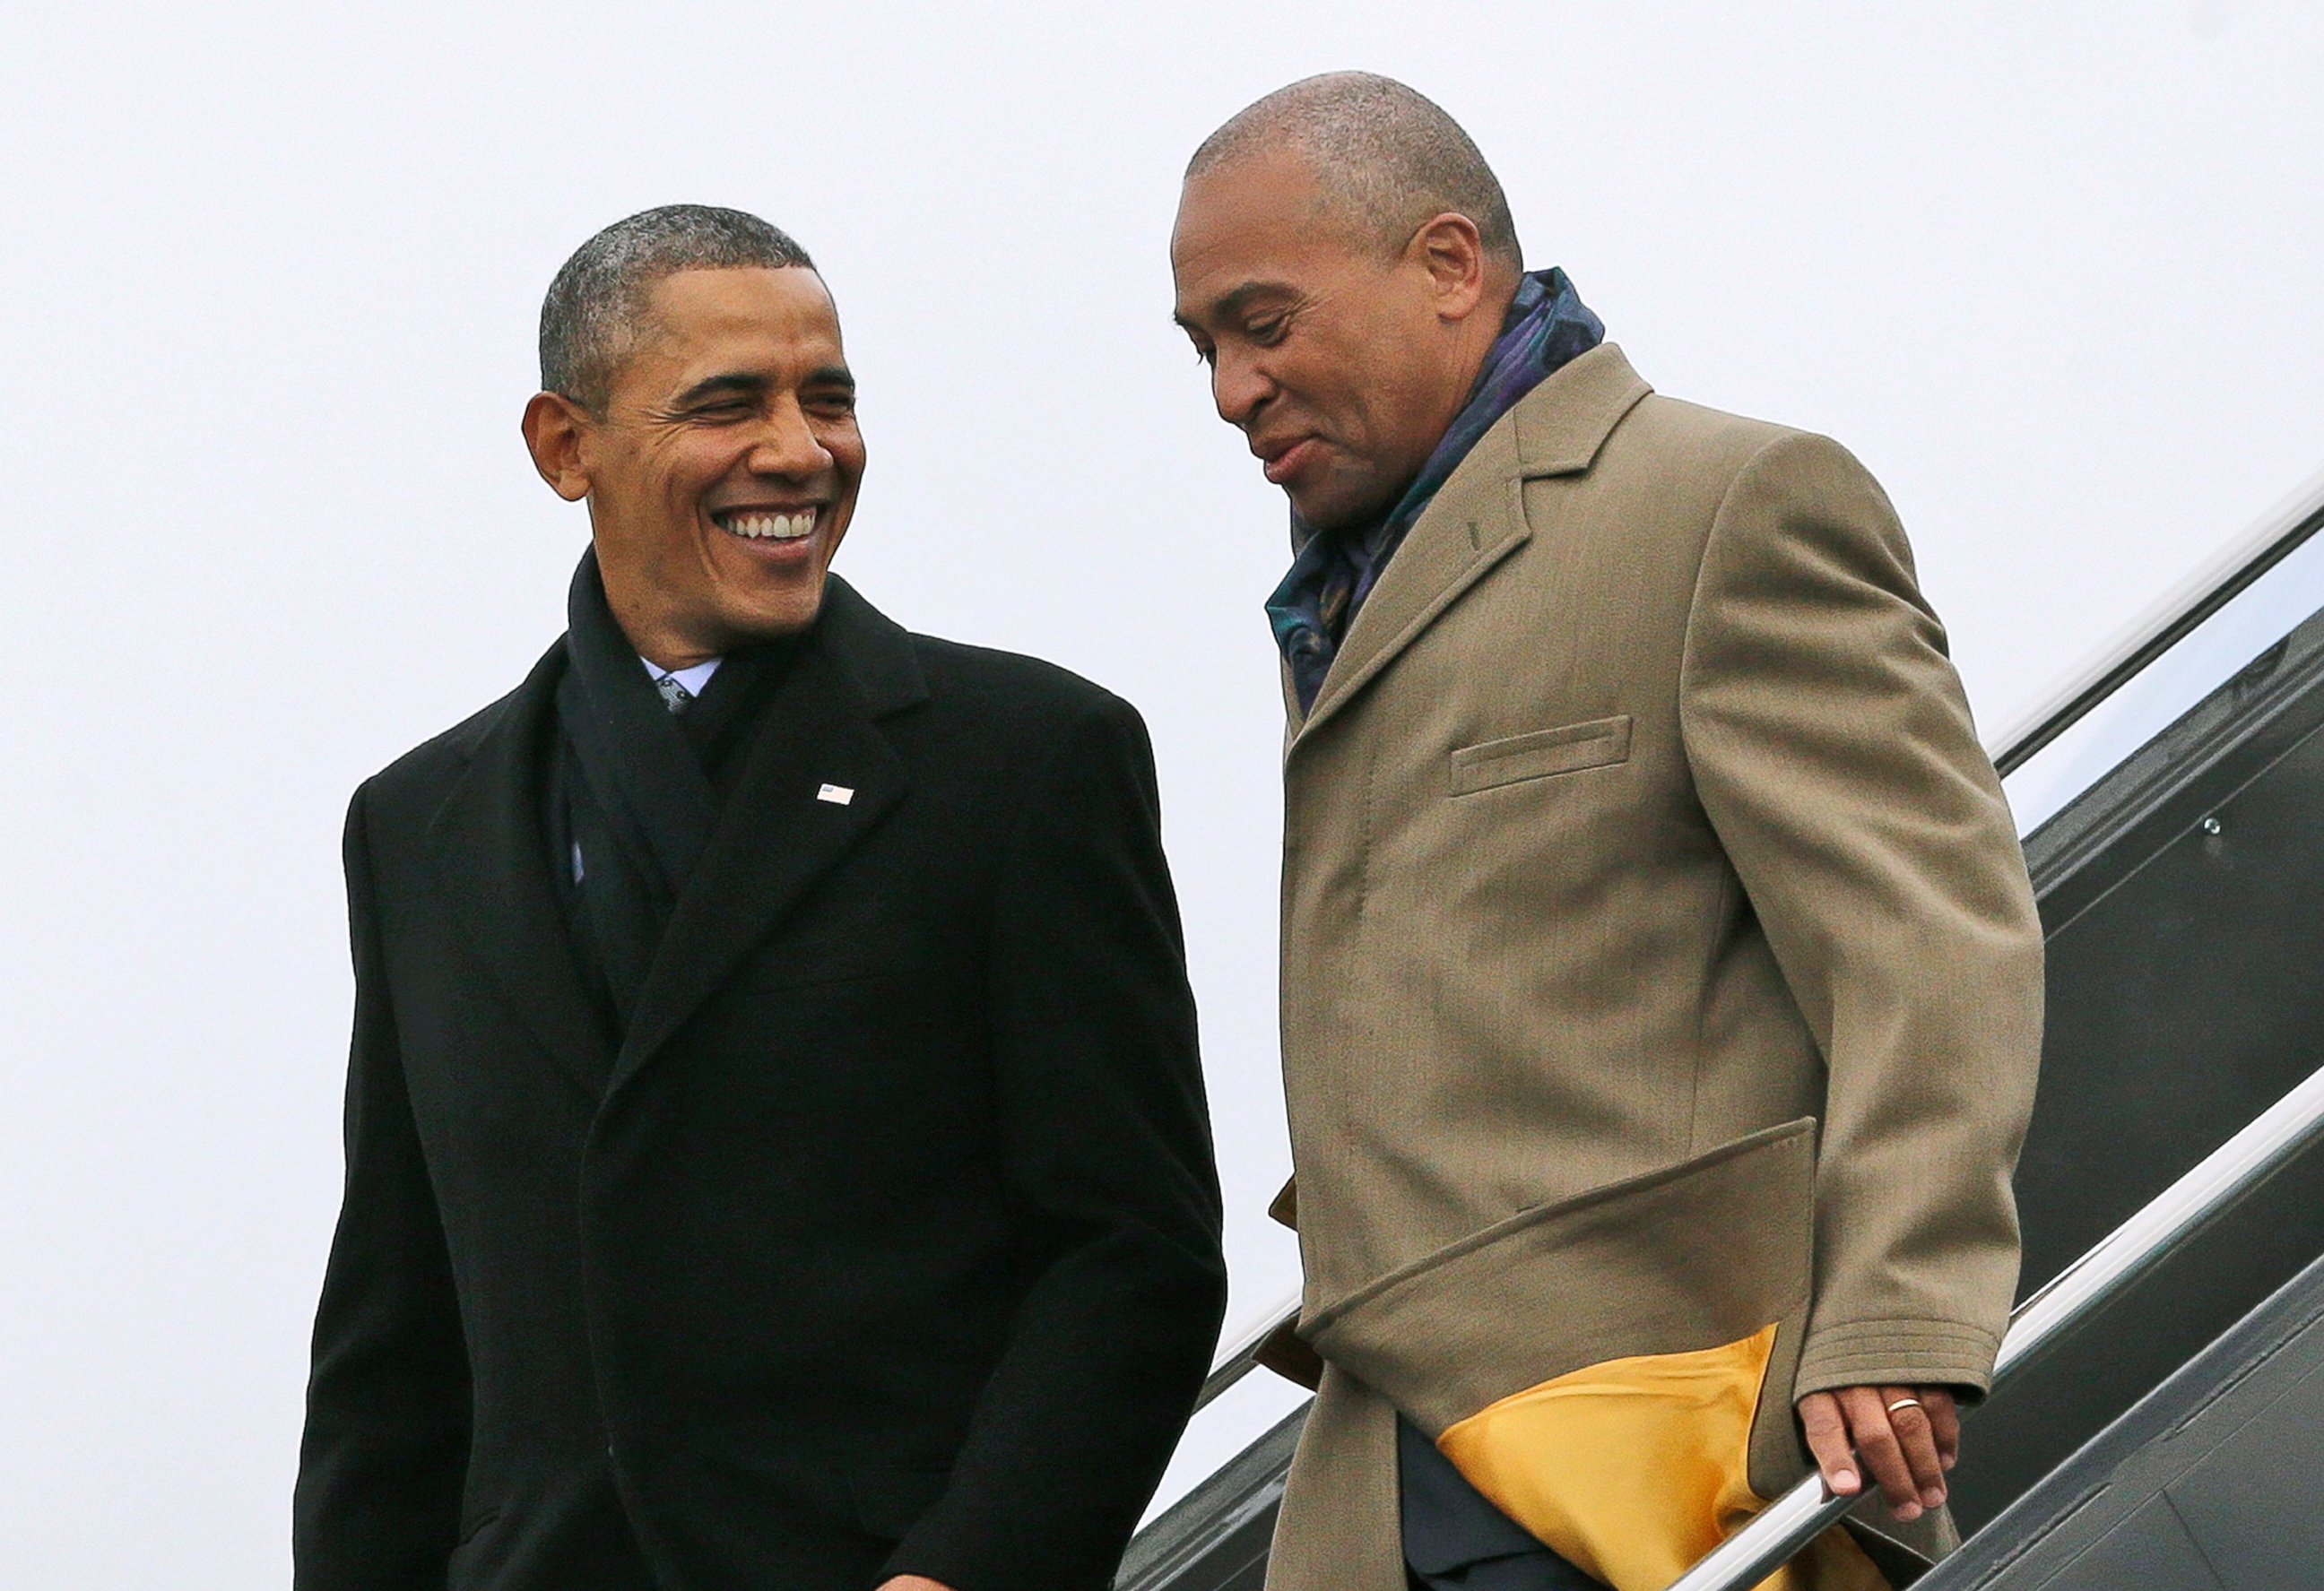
[(2185, 608), (2167, 1222), (1242, 1358)]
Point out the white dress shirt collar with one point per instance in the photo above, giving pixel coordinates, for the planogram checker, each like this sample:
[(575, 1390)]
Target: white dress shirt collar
[(692, 678)]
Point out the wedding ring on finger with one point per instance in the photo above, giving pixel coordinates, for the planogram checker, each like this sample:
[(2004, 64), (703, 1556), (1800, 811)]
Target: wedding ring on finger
[(1904, 1404)]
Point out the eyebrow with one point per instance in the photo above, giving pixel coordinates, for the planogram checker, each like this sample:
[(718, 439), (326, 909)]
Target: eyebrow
[(740, 384), (736, 385), (1230, 304)]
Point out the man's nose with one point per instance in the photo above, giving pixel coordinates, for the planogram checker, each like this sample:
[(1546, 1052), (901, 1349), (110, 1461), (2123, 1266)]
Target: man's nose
[(1239, 386), (787, 445)]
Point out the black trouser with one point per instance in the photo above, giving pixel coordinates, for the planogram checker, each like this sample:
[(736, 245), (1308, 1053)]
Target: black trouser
[(1456, 1541)]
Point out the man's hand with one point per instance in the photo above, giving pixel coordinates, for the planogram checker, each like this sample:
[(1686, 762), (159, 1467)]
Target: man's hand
[(1906, 1436), (913, 1583)]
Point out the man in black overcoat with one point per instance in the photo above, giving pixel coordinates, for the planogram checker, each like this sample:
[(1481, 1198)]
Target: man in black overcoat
[(776, 1150)]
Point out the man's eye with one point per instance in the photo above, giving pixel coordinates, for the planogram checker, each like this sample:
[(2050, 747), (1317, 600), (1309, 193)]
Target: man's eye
[(1267, 333), (721, 411)]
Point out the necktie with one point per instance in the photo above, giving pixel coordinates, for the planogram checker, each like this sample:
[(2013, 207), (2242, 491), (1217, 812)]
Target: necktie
[(674, 694)]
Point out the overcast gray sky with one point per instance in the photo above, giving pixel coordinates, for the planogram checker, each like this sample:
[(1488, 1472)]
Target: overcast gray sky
[(268, 282)]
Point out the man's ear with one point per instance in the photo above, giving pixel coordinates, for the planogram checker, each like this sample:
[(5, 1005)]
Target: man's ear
[(1454, 253), (553, 428)]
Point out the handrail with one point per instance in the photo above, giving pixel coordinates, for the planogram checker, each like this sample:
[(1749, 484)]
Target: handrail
[(1244, 1357), (2172, 619), (1241, 1359), (2120, 1258)]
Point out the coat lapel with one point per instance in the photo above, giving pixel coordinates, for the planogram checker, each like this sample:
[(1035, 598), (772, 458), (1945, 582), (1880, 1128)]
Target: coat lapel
[(492, 862), (1477, 518), (786, 825), (1474, 522)]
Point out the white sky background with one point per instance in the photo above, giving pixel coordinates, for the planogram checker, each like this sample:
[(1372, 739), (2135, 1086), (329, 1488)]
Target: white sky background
[(268, 281)]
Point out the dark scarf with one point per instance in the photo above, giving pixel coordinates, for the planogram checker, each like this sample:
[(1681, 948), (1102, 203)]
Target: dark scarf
[(1333, 570), (637, 788)]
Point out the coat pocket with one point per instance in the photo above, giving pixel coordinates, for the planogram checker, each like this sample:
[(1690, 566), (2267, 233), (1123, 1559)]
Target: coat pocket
[(1613, 1371), (1692, 1256), (471, 1562), (1600, 743)]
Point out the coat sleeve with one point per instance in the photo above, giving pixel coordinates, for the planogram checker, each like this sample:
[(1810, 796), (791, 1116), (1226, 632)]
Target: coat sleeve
[(1833, 749), (378, 1500), (1106, 1144)]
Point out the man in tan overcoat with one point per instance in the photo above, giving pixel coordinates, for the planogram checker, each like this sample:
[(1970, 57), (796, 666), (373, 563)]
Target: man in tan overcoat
[(1662, 984)]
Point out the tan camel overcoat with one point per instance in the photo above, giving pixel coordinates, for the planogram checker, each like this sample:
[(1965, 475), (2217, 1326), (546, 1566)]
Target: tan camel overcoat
[(1659, 963)]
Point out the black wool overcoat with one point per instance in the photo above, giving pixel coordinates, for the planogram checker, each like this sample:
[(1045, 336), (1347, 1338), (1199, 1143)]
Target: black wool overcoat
[(886, 1240)]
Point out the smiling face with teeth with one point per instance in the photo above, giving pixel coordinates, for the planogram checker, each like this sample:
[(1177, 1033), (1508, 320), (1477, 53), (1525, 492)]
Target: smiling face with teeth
[(723, 469)]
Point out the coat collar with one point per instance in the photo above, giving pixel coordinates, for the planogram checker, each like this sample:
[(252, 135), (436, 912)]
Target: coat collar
[(775, 838), (1563, 423), (874, 651), (1477, 518)]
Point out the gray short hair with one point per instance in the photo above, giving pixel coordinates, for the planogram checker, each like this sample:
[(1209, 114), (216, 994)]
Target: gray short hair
[(590, 320), (1388, 151)]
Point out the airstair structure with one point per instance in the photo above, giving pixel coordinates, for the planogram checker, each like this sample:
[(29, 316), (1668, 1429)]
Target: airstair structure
[(2160, 1415), (2208, 1483)]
